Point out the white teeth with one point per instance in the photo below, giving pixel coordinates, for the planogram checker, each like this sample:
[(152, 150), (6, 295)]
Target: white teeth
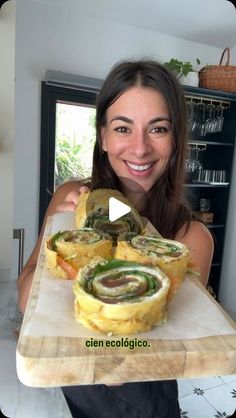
[(139, 167)]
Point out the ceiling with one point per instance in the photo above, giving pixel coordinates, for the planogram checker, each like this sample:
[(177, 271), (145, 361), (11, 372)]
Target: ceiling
[(210, 22)]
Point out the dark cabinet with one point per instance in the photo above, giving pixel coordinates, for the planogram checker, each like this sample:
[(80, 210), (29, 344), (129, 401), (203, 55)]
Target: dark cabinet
[(216, 153)]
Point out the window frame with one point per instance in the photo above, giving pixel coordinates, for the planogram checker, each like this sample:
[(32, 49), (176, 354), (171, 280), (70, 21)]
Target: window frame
[(50, 96)]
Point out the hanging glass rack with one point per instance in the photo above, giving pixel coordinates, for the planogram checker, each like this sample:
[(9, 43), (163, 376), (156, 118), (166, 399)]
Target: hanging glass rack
[(193, 146), (201, 99)]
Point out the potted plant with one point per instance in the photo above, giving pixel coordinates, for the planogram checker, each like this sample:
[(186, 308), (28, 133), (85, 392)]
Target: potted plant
[(184, 71)]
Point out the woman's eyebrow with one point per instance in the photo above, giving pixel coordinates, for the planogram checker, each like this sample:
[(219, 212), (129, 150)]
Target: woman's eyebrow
[(123, 119), (128, 120), (159, 119)]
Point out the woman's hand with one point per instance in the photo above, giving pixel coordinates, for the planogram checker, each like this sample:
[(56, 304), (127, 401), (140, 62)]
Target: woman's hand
[(64, 199), (71, 200)]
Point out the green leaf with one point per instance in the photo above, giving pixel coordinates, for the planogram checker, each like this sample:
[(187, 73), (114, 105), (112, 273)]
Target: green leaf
[(116, 264), (54, 240), (180, 68), (112, 264)]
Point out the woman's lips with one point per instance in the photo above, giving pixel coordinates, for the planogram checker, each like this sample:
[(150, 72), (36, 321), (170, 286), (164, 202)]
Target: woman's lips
[(140, 170)]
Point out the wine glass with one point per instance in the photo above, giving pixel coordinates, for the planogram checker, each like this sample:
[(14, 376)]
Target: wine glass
[(193, 119), (193, 165), (220, 119), (202, 111), (209, 123)]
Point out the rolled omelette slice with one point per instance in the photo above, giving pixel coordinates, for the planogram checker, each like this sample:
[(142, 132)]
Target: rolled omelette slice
[(120, 297), (172, 257), (93, 212), (75, 248)]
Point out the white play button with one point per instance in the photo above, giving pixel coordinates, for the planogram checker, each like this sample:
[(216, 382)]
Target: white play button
[(117, 209)]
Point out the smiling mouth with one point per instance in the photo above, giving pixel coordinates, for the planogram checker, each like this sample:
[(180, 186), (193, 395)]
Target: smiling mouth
[(140, 167)]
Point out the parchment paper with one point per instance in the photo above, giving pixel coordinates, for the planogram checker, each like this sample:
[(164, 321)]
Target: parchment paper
[(192, 313)]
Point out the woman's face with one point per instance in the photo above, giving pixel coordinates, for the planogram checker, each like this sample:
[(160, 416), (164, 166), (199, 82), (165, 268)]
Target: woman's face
[(138, 136)]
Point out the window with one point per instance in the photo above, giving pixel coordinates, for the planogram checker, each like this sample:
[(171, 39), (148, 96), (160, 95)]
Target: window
[(75, 138), (67, 138)]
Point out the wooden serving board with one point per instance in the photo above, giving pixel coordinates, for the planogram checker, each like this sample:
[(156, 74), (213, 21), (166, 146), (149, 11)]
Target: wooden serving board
[(61, 360)]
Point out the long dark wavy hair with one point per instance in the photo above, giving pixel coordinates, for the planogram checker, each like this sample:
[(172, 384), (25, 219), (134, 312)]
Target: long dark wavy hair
[(165, 207)]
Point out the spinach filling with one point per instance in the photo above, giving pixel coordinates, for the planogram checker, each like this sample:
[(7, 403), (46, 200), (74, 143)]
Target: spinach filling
[(86, 236), (155, 247), (99, 219), (117, 270)]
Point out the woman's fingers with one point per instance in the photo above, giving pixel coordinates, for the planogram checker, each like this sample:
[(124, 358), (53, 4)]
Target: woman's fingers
[(84, 189), (72, 200), (66, 207), (73, 197)]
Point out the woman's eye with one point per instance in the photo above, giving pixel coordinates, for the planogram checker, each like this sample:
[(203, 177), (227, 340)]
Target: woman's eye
[(122, 129), (159, 129)]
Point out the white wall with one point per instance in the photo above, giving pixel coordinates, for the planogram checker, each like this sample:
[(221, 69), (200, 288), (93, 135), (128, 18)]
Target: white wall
[(64, 37), (7, 85)]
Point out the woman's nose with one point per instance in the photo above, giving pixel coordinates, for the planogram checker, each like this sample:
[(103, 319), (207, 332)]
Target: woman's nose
[(140, 144)]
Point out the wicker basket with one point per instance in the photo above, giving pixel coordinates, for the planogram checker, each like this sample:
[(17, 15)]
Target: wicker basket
[(219, 77)]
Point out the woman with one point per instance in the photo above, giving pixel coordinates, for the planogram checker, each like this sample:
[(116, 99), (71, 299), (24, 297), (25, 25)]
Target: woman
[(140, 150)]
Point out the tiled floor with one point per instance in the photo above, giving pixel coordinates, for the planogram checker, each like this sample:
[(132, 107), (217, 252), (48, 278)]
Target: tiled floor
[(213, 397)]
